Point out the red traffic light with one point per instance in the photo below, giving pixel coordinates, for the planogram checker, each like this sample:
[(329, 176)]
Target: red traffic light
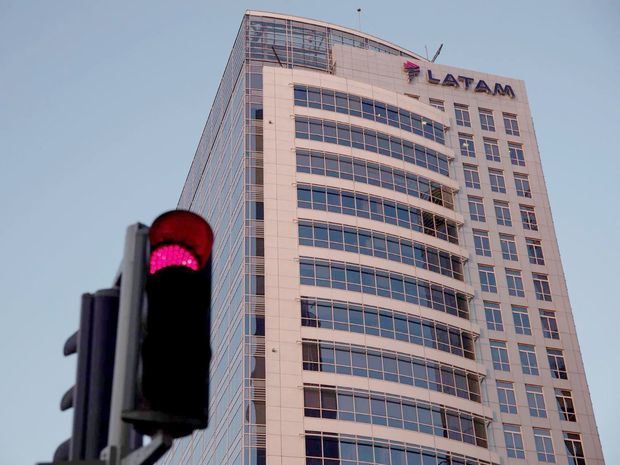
[(179, 238)]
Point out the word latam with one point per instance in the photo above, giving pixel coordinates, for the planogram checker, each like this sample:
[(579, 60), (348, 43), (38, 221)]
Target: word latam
[(449, 80), (481, 86)]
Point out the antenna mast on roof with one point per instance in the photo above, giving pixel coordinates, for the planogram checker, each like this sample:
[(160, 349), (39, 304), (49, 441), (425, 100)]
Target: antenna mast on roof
[(359, 19), (437, 53)]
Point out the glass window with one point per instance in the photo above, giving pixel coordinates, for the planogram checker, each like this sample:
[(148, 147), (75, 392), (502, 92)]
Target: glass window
[(521, 320), (482, 243), (491, 150), (498, 184), (544, 445), (506, 396), (502, 213), (339, 275), (515, 151), (511, 124), (574, 449), (549, 324), (566, 408), (394, 325), (557, 364), (529, 364), (493, 316), (522, 184), (541, 287), (514, 441), (536, 401), (535, 252), (378, 209), (476, 209), (466, 144), (374, 243), (437, 104), (330, 100), (509, 247), (472, 179), (528, 218), (462, 115), (341, 166), (487, 278), (515, 283), (486, 120), (390, 366), (344, 449), (384, 144), (499, 355)]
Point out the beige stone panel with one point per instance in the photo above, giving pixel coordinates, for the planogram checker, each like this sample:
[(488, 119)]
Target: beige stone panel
[(283, 353)]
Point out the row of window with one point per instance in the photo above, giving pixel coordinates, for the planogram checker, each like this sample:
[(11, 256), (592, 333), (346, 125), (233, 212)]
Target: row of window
[(502, 213), (344, 167), (372, 141), (377, 209), (376, 408), (544, 445), (384, 283), (497, 181), (536, 401), (365, 319), (527, 356), (491, 149), (334, 449), (514, 282), (373, 110), (377, 244), (521, 320), (487, 121), (349, 359), (482, 246)]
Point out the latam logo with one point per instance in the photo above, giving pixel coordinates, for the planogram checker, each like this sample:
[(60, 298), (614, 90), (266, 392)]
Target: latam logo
[(466, 82), (412, 69)]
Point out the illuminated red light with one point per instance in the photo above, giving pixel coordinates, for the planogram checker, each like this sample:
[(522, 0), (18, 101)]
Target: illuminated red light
[(179, 238), (172, 255)]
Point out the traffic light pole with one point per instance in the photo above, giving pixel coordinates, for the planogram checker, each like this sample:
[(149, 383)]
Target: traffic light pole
[(126, 358)]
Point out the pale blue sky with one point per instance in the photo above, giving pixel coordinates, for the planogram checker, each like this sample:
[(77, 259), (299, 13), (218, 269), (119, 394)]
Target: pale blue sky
[(102, 105)]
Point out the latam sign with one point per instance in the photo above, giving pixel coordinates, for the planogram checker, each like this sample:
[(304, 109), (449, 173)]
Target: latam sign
[(449, 80)]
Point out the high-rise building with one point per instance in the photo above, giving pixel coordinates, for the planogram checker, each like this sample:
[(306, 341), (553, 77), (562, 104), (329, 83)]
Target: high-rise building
[(387, 281)]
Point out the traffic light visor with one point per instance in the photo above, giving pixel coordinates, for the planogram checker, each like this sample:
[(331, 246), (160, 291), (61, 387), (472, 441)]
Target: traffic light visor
[(179, 238)]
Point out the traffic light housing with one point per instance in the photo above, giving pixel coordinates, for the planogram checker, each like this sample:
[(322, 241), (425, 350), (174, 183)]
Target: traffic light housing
[(172, 392), (90, 396)]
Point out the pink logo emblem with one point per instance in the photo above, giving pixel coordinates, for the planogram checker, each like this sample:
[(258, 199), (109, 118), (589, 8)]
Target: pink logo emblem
[(412, 69)]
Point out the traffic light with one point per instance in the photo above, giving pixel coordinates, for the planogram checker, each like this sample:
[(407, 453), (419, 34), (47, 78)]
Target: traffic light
[(94, 344), (172, 394)]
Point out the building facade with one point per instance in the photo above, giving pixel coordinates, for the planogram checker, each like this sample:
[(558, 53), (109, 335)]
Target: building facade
[(387, 282)]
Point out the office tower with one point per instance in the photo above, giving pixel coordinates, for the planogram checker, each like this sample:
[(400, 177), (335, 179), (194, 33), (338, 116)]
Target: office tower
[(387, 282)]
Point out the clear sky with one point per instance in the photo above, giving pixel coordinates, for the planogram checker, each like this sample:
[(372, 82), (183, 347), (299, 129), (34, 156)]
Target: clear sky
[(102, 105)]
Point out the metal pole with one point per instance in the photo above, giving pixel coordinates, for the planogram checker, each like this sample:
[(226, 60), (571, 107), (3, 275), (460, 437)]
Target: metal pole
[(126, 358)]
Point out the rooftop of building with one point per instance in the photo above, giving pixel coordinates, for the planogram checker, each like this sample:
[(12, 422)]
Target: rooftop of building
[(314, 22)]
